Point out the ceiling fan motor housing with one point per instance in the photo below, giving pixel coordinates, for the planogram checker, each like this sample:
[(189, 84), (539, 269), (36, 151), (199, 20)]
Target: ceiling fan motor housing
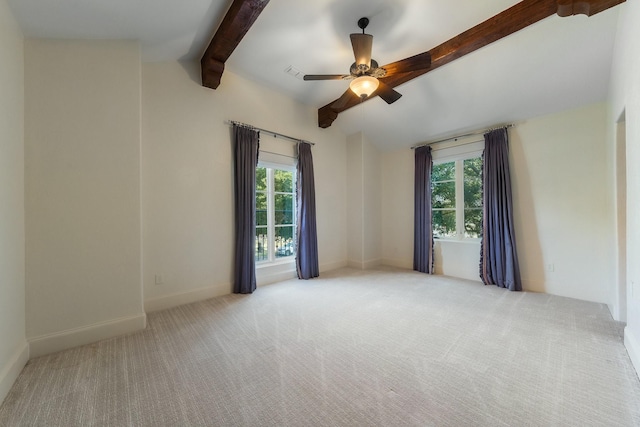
[(362, 70)]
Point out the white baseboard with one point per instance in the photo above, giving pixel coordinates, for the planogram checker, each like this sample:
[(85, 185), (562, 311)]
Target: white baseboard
[(9, 373), (181, 298), (264, 277), (364, 265), (399, 263), (333, 266), (355, 264), (633, 348), (371, 264), (57, 341)]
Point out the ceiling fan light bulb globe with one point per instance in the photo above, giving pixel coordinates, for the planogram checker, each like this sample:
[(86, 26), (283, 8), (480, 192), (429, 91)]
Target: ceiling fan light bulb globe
[(364, 86)]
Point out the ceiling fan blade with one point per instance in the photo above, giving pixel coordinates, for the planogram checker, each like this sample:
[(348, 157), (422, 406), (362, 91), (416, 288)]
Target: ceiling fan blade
[(346, 97), (324, 77), (362, 44), (387, 93), (421, 61)]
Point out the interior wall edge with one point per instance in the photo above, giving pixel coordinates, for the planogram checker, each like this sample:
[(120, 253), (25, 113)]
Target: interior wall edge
[(12, 369), (633, 349)]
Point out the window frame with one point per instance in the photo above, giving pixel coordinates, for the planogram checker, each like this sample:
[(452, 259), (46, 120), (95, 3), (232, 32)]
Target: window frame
[(458, 159), (270, 192)]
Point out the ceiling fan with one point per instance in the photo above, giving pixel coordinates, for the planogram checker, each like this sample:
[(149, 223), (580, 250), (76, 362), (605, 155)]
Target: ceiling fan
[(366, 75)]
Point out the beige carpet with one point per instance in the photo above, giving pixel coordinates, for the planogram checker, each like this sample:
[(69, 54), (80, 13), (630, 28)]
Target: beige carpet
[(351, 348)]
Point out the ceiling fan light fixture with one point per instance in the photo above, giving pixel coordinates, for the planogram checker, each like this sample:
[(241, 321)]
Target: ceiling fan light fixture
[(364, 86)]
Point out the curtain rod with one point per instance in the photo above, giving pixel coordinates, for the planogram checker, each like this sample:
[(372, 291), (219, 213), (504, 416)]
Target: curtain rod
[(478, 132), (275, 134)]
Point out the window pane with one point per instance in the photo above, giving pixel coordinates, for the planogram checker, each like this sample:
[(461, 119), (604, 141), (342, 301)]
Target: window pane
[(262, 253), (443, 195), (444, 223), (261, 209), (283, 181), (473, 183), (284, 241), (473, 223), (443, 172), (261, 179), (283, 209)]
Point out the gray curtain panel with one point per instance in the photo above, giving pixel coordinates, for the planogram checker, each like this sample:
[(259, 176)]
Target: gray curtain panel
[(498, 257), (246, 141), (422, 217), (307, 234)]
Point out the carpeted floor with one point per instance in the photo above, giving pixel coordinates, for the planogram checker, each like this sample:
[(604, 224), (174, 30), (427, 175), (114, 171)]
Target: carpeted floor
[(352, 348)]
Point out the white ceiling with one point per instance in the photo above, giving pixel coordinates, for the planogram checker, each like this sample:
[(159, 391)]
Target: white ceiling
[(556, 64)]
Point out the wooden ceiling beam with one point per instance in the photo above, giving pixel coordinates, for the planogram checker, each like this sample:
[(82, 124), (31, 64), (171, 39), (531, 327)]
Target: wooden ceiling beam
[(585, 7), (514, 19), (239, 18)]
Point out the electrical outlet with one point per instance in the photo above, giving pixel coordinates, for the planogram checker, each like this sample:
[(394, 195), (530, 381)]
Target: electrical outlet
[(551, 268), (158, 279)]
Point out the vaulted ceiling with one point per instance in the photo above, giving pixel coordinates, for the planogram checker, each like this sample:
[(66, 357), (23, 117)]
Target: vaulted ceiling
[(552, 65)]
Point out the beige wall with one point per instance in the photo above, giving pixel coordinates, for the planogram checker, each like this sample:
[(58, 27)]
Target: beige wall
[(397, 176), (564, 221), (560, 189), (456, 259), (82, 162), (372, 204), (13, 345), (187, 179), (355, 200), (364, 202), (625, 102)]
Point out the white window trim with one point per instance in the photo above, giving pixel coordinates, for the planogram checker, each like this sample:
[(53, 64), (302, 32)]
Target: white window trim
[(272, 259), (459, 158)]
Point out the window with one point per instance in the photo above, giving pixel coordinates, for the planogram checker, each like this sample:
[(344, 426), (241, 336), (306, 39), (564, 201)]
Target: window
[(275, 213), (456, 197)]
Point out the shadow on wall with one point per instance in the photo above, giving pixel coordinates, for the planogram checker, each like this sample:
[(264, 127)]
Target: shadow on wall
[(532, 266), (193, 71)]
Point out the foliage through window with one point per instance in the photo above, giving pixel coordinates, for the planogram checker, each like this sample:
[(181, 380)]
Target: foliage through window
[(456, 197), (275, 213)]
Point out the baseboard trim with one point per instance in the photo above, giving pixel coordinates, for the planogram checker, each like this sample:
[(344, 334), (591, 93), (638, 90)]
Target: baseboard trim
[(371, 264), (10, 372), (58, 341), (364, 265), (399, 263), (181, 298), (633, 349), (333, 266)]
